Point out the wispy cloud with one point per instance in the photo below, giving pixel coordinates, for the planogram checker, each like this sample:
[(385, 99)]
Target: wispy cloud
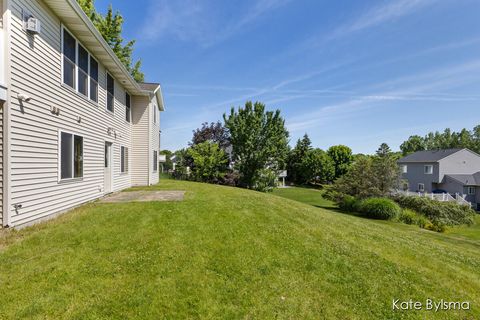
[(387, 12), (190, 20)]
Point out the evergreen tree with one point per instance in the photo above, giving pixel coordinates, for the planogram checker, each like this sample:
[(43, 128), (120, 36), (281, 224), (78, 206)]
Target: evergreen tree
[(296, 157)]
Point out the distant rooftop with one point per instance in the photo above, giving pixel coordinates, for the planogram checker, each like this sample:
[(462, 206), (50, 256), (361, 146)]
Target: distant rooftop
[(466, 179), (429, 156)]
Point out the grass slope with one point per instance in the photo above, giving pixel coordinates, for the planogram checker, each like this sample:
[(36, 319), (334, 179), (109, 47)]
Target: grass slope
[(229, 253)]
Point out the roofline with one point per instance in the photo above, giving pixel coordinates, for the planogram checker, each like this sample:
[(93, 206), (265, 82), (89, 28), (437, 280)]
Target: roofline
[(466, 149), (461, 182), (436, 161)]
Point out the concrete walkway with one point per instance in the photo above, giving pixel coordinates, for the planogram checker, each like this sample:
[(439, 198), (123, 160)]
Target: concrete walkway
[(144, 196)]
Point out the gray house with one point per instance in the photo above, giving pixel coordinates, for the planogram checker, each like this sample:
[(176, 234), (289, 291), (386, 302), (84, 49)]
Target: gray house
[(453, 171)]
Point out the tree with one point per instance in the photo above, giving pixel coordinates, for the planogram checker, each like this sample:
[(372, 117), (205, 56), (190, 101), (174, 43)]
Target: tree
[(210, 162), (259, 140), (342, 158), (317, 167), (296, 157), (168, 165), (386, 169), (413, 144), (213, 132), (110, 27)]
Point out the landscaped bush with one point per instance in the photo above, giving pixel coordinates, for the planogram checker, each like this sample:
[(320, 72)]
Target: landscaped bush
[(265, 180), (347, 203), (408, 216), (379, 208), (441, 214)]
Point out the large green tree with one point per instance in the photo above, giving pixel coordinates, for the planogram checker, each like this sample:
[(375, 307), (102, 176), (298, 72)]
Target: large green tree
[(317, 167), (210, 162), (110, 27), (342, 157), (387, 171), (295, 158), (259, 140)]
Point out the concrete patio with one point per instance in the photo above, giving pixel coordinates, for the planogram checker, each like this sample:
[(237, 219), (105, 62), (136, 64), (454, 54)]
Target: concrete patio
[(144, 196)]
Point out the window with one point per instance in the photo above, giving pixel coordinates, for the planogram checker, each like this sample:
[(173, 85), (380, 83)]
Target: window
[(82, 77), (69, 59), (155, 161), (123, 159), (428, 169), (154, 114), (404, 168), (110, 92), (127, 107), (93, 80), (421, 187), (71, 158), (471, 190), (80, 69)]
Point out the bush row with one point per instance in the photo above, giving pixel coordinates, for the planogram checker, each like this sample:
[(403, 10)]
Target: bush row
[(439, 213), (374, 208)]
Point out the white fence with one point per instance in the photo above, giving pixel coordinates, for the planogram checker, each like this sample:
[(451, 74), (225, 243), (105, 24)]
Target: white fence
[(443, 197)]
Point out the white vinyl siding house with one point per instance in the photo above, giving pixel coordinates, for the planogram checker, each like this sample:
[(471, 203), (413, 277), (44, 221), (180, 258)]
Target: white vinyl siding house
[(55, 141)]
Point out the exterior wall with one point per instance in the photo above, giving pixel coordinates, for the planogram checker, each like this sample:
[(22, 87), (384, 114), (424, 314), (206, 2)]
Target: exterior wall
[(154, 142), (34, 130), (452, 186), (3, 83), (1, 164), (416, 174), (140, 152), (462, 162)]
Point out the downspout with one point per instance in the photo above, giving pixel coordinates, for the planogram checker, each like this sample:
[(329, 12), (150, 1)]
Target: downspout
[(7, 194)]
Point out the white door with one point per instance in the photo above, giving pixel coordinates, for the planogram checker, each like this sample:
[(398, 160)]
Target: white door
[(108, 167)]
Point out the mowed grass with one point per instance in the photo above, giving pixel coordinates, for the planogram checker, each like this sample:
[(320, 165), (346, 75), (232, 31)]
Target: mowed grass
[(309, 196), (227, 253)]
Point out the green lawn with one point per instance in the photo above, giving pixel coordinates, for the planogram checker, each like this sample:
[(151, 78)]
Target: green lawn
[(309, 196), (227, 253)]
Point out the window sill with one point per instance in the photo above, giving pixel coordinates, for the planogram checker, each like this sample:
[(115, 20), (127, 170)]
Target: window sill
[(70, 180), (78, 94)]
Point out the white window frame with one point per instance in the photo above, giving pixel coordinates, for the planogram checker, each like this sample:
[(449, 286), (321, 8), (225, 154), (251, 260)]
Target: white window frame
[(130, 108), (106, 92), (430, 166), (89, 78), (75, 88), (155, 161), (469, 190), (60, 179), (124, 159), (421, 187), (404, 168)]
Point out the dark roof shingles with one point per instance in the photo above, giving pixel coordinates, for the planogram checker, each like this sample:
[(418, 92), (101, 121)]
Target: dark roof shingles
[(428, 156)]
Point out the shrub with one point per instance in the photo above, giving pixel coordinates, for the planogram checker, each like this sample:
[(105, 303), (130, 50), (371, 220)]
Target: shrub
[(439, 213), (408, 216), (347, 203), (265, 180), (422, 221), (379, 208)]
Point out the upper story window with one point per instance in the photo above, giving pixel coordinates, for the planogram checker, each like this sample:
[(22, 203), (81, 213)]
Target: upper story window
[(127, 107), (404, 168), (428, 169), (71, 156), (471, 190), (110, 92), (80, 69)]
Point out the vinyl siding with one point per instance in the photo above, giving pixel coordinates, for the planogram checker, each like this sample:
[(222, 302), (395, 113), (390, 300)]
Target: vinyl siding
[(36, 71), (140, 153), (1, 164)]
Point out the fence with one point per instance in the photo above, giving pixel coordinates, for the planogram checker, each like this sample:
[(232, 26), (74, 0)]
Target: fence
[(443, 197)]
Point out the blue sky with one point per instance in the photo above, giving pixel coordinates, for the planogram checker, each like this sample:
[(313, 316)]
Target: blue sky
[(346, 72)]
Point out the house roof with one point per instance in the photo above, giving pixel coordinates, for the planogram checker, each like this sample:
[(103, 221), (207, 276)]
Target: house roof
[(466, 179), (154, 88), (77, 22), (429, 156)]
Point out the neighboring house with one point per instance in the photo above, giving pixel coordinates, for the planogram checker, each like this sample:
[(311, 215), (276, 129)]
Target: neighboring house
[(74, 124), (453, 171)]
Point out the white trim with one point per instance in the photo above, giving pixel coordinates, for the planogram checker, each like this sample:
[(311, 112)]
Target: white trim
[(470, 192), (7, 175), (404, 168), (111, 166), (59, 155)]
